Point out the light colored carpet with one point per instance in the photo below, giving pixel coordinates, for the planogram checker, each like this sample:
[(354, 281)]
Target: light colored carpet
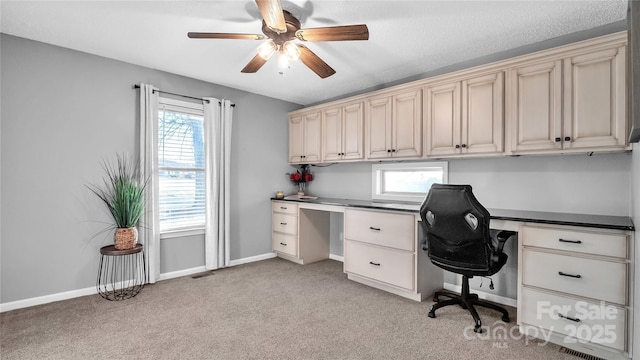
[(272, 309)]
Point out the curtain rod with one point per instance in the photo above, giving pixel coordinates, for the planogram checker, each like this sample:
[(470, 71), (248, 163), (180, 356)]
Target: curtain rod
[(136, 86)]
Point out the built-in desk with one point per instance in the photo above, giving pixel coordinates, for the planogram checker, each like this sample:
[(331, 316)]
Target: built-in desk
[(575, 271)]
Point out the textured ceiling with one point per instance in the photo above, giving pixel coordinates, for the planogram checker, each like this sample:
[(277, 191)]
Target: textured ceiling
[(407, 38)]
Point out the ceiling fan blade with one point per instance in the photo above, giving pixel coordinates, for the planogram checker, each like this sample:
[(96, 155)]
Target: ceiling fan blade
[(202, 35), (254, 65), (272, 14), (314, 62), (334, 33)]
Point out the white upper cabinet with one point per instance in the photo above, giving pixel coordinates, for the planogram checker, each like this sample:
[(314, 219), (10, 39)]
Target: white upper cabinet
[(595, 100), (535, 99), (305, 137), (570, 103), (343, 137), (567, 99), (465, 116), (394, 125)]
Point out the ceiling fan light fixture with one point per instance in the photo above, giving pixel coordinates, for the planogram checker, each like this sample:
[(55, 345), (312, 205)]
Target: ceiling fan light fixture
[(291, 50), (266, 49), (283, 60)]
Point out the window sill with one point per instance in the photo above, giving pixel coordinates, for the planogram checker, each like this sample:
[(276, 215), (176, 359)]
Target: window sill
[(181, 233)]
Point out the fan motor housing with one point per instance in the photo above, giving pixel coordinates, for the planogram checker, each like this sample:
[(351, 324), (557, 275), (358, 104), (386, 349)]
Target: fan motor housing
[(293, 25)]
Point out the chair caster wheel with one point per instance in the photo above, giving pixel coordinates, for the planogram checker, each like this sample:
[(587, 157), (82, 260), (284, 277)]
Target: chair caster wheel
[(431, 314), (506, 319), (477, 329)]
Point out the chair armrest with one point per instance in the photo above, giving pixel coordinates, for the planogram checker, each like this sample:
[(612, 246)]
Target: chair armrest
[(499, 237)]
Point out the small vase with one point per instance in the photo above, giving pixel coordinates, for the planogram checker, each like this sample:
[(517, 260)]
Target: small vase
[(125, 238)]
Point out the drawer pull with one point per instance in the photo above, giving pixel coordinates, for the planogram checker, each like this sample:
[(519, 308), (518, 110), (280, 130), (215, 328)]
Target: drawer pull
[(570, 241), (283, 244), (283, 223), (374, 229), (569, 275), (568, 318), (375, 264), (283, 207)]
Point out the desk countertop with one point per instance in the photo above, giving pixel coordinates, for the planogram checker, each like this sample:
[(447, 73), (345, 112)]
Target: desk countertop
[(542, 217)]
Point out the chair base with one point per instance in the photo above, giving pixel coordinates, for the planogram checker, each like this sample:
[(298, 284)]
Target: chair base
[(467, 301)]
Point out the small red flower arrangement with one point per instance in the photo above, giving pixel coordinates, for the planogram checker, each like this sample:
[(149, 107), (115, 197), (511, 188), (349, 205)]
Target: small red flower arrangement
[(301, 177)]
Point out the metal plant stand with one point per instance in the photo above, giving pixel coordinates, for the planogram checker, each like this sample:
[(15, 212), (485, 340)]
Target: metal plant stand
[(122, 273)]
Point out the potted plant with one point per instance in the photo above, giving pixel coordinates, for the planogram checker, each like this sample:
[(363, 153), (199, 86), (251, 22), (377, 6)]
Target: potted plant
[(122, 192)]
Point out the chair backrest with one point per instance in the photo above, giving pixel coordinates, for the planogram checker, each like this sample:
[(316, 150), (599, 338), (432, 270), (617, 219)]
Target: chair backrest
[(457, 229)]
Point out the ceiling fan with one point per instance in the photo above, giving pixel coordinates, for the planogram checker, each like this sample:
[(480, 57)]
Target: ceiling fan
[(283, 31)]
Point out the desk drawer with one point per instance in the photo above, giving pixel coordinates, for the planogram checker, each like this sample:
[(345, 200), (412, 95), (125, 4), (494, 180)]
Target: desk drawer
[(395, 267), (597, 279), (596, 243), (284, 207), (284, 223), (599, 324), (380, 228), (284, 243)]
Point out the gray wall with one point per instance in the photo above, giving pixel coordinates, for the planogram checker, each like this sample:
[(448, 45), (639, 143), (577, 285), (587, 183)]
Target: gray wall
[(635, 193), (62, 112), (598, 184)]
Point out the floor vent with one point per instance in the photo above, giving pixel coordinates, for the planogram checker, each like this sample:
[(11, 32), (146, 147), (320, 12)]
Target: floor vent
[(200, 275), (579, 354)]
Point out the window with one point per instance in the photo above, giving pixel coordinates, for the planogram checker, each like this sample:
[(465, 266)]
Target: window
[(181, 159), (407, 181)]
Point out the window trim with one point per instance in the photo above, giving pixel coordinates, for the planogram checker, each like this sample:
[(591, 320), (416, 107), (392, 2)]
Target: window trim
[(378, 169)]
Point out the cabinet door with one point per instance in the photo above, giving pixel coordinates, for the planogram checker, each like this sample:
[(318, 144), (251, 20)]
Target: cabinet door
[(332, 134), (535, 98), (483, 115), (407, 124), (443, 119), (352, 133), (595, 100), (379, 128), (312, 137), (296, 136)]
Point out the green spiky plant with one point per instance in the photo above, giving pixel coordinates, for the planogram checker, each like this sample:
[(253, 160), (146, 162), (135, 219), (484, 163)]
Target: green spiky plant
[(122, 191)]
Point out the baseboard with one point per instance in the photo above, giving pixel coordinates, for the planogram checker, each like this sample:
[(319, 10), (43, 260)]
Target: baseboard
[(336, 257), (181, 273), (252, 259), (483, 295), (19, 304)]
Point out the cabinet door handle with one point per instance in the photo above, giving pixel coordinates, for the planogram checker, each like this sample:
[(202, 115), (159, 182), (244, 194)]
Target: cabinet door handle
[(569, 275), (374, 264), (283, 244), (393, 150), (457, 146), (283, 223), (388, 150), (568, 318), (374, 229), (463, 145), (570, 241), (567, 138), (558, 139)]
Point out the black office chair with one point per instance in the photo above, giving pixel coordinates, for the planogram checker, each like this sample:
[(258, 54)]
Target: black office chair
[(458, 239)]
